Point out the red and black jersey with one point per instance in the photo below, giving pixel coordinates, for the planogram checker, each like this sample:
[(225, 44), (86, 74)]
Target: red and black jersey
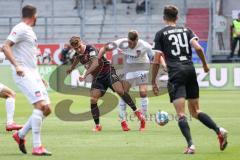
[(92, 52)]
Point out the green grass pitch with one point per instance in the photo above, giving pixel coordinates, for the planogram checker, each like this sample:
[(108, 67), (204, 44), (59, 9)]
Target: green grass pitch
[(75, 140)]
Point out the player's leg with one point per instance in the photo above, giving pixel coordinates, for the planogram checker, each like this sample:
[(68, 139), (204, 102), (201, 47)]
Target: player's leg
[(179, 105), (234, 45), (118, 88), (95, 94), (41, 110), (33, 88), (143, 99), (192, 90), (9, 95), (142, 81), (193, 105), (177, 94), (122, 107)]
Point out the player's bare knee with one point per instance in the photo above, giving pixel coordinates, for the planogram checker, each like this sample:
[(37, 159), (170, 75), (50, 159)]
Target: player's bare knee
[(194, 114), (94, 100), (12, 95), (120, 92), (47, 110), (180, 115), (143, 94)]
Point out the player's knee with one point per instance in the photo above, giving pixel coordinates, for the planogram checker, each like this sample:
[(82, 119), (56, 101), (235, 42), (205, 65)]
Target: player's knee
[(195, 113), (180, 115), (47, 110), (120, 92), (143, 94), (12, 95), (94, 100)]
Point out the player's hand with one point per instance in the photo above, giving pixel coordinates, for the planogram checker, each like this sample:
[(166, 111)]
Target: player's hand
[(155, 89), (99, 55), (19, 71), (69, 71), (165, 68), (206, 68), (45, 83), (82, 78)]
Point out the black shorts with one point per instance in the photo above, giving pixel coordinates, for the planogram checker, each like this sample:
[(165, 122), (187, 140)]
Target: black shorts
[(183, 84), (105, 80)]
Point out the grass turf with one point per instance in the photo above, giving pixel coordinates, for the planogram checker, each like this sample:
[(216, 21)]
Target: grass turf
[(75, 140)]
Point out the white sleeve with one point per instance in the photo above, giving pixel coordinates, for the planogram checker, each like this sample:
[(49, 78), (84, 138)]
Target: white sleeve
[(16, 35), (149, 51), (119, 42)]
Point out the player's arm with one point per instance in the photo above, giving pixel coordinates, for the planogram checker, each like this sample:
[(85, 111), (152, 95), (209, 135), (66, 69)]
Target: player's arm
[(102, 51), (158, 59), (200, 54), (75, 63), (6, 48), (93, 66), (106, 48), (155, 68)]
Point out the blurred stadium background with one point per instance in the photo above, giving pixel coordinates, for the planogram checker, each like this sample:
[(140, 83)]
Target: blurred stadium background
[(108, 20), (104, 22), (100, 21)]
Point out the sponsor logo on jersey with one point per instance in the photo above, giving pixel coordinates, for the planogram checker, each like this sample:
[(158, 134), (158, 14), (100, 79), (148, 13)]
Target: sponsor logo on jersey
[(38, 94)]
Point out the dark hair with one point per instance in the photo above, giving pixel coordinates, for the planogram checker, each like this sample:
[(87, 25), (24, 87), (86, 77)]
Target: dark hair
[(133, 35), (170, 13), (28, 11)]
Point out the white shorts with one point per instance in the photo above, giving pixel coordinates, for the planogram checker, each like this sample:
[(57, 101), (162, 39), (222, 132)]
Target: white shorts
[(32, 86), (1, 87), (137, 78)]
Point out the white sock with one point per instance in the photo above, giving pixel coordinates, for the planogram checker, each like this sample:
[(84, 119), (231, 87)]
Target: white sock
[(10, 107), (26, 128), (37, 118), (144, 106), (122, 110)]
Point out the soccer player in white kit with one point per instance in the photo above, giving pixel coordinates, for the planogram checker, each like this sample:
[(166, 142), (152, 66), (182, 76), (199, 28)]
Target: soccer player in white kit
[(138, 55), (9, 95), (20, 49)]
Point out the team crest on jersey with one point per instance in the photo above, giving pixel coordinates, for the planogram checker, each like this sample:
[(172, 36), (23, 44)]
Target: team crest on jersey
[(138, 53), (38, 94)]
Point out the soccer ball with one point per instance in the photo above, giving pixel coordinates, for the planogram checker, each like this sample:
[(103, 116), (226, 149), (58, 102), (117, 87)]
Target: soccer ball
[(162, 118)]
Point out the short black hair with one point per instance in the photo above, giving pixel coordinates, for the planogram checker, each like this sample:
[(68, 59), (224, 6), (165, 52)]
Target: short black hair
[(28, 11), (170, 13)]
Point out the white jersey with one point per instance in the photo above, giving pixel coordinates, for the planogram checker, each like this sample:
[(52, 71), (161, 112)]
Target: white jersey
[(140, 54), (25, 47), (25, 52)]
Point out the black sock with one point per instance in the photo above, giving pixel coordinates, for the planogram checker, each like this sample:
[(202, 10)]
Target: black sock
[(127, 99), (95, 113), (207, 121), (183, 125)]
